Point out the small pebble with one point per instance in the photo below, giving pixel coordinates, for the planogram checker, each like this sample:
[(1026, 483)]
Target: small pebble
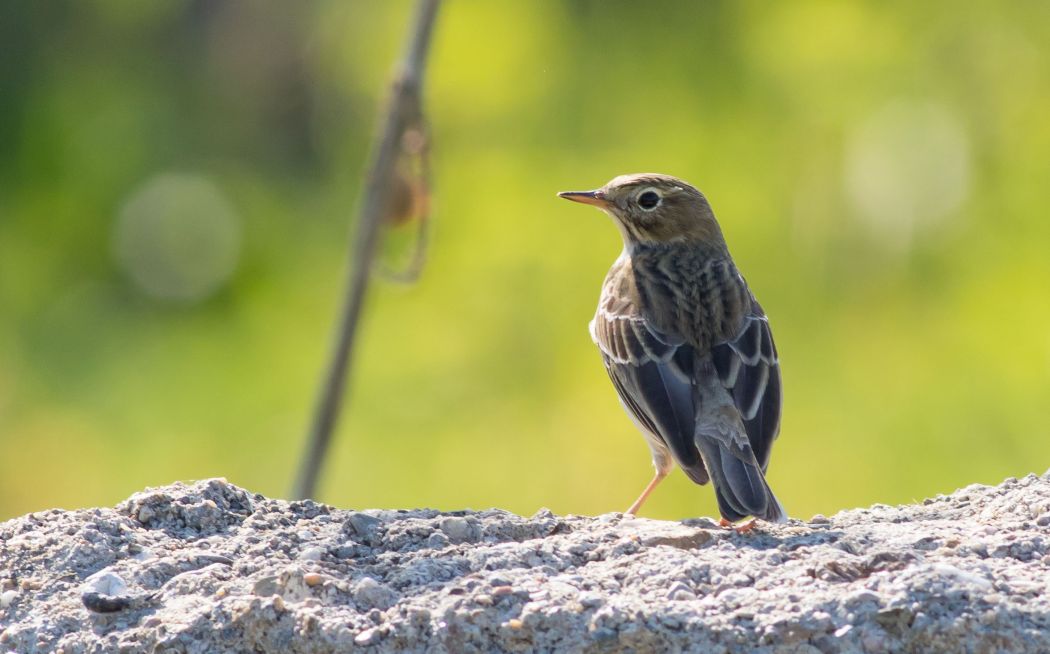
[(105, 592), (312, 554), (367, 637), (313, 578), (145, 514), (266, 586), (370, 593), (513, 623), (106, 583), (590, 600), (363, 524), (458, 530), (7, 597)]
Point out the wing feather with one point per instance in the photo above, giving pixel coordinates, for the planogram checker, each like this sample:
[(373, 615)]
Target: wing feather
[(652, 373), (748, 367)]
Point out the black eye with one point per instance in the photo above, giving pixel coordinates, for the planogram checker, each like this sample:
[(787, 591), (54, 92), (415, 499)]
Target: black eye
[(648, 200)]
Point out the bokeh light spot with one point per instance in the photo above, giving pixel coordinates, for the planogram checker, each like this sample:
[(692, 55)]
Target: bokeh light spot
[(907, 167), (177, 237)]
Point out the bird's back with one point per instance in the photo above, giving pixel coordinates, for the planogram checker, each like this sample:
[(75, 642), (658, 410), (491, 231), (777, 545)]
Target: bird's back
[(695, 292)]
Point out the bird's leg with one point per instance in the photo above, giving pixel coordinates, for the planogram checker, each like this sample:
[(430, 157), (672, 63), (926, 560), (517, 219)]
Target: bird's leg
[(657, 478)]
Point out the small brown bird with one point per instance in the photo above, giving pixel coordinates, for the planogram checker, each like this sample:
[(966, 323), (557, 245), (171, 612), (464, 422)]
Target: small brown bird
[(686, 344)]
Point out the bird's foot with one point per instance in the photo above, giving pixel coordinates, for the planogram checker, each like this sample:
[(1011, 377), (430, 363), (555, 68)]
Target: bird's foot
[(742, 529)]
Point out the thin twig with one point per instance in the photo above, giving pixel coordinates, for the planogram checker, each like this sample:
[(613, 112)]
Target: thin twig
[(404, 110)]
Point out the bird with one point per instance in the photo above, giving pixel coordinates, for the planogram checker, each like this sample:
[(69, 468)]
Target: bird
[(687, 346)]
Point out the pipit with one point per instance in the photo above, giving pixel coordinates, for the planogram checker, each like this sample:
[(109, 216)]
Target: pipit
[(686, 344)]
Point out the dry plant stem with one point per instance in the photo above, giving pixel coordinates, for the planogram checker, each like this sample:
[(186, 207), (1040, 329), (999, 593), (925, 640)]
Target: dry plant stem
[(403, 109)]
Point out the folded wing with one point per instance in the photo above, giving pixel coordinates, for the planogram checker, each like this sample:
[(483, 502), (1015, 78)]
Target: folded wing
[(652, 372), (749, 370)]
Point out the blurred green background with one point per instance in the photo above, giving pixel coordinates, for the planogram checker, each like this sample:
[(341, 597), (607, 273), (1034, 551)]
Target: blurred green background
[(177, 182)]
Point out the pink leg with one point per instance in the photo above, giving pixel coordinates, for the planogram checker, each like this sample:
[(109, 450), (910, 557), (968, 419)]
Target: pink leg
[(645, 493)]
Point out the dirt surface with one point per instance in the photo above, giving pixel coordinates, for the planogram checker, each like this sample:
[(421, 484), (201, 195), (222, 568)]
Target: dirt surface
[(210, 567)]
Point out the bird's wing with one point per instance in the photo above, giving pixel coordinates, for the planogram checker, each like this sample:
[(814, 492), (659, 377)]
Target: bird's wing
[(652, 372), (748, 368)]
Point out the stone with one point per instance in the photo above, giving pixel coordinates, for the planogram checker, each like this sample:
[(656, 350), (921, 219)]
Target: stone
[(227, 570)]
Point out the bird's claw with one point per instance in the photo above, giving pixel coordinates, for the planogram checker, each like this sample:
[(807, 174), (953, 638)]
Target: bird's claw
[(742, 529)]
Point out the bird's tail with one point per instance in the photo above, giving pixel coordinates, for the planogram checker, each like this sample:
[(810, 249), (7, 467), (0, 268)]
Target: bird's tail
[(740, 486)]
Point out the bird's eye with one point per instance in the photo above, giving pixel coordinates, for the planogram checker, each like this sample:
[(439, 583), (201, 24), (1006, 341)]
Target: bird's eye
[(649, 200)]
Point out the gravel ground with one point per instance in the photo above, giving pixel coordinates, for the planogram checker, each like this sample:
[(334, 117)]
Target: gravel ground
[(210, 567)]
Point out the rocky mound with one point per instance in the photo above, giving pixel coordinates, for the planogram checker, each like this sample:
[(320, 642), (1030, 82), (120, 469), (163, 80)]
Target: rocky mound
[(210, 567)]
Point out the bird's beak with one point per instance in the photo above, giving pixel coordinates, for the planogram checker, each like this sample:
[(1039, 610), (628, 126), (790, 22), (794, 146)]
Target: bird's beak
[(597, 198)]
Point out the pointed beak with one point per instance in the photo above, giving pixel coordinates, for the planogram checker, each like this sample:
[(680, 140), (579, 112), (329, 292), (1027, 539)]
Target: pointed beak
[(596, 198)]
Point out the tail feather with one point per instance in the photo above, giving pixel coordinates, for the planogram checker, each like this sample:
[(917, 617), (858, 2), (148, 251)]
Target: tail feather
[(740, 487)]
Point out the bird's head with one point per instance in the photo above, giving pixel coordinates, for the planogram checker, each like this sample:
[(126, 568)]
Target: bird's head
[(651, 208)]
